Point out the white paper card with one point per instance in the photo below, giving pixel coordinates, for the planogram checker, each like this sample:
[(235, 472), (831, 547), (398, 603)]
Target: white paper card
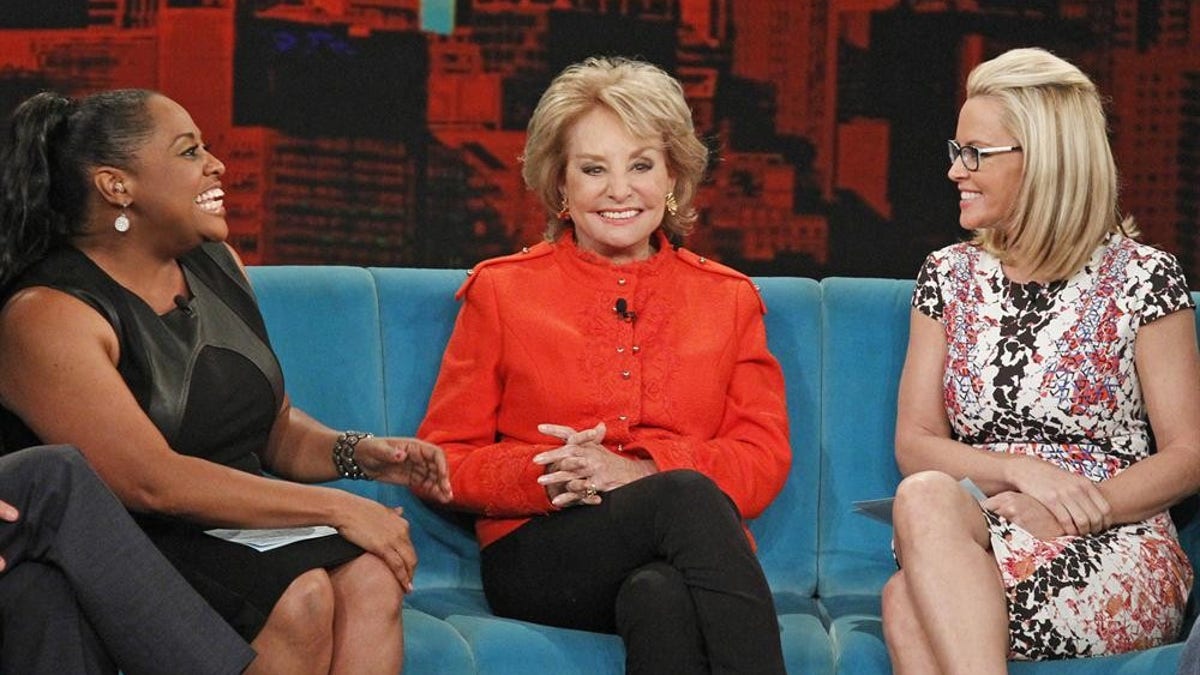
[(267, 539)]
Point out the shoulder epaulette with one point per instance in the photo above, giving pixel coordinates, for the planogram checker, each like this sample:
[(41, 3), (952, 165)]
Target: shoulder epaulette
[(702, 263), (538, 250)]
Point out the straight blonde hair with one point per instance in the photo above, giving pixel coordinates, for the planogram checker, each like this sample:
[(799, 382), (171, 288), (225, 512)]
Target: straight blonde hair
[(1067, 202)]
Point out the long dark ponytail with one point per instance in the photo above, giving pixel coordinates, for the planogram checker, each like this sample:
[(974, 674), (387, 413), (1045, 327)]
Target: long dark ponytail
[(52, 143)]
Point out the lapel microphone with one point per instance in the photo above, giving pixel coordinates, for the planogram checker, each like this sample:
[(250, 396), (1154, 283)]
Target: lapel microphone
[(621, 308), (184, 306)]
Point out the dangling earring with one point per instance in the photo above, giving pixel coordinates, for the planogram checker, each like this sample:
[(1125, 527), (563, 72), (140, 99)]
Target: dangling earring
[(121, 224), (564, 213), (672, 205)]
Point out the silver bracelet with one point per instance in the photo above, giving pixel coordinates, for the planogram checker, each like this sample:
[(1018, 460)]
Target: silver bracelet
[(343, 454)]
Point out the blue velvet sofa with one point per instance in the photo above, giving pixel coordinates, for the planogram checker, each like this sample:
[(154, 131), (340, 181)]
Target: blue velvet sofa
[(361, 349)]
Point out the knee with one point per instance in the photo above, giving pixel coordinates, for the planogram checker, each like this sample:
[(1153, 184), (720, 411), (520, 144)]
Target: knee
[(304, 613), (68, 455), (656, 589), (922, 497), (59, 463), (32, 592), (367, 585), (654, 584)]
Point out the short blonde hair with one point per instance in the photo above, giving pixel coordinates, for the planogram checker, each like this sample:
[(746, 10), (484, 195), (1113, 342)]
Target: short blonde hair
[(1067, 202), (650, 104)]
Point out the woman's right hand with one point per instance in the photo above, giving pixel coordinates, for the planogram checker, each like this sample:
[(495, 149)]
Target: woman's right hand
[(381, 531), (1073, 500), (556, 478)]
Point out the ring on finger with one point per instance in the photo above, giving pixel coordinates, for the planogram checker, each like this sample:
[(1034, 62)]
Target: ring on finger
[(590, 491)]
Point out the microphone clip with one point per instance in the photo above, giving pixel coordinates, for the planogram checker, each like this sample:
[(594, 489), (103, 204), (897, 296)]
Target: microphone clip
[(621, 309), (184, 306)]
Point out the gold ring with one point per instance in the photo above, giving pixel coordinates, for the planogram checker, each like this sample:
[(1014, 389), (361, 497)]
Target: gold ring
[(590, 491)]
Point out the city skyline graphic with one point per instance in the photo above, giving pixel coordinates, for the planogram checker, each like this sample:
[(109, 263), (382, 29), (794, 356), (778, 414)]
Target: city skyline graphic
[(388, 132)]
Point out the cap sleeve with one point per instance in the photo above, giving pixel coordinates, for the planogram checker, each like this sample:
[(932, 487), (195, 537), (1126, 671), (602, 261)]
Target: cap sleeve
[(927, 294), (1164, 289)]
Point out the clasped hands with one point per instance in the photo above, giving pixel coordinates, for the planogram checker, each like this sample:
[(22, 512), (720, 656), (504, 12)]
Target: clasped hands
[(1050, 501), (582, 469)]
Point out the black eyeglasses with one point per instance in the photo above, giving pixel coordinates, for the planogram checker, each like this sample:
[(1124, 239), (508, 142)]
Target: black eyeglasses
[(971, 155)]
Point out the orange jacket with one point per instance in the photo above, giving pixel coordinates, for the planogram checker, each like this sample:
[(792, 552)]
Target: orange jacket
[(688, 383)]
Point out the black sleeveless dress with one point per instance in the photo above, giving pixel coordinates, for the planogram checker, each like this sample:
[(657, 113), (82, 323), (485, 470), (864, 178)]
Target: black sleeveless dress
[(205, 374)]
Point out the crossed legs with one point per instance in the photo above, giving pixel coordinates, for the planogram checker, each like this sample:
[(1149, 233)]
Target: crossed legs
[(663, 561), (945, 611)]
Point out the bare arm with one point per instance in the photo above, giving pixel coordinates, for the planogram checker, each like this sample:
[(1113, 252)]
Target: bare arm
[(1169, 370), (923, 439), (58, 373), (300, 448)]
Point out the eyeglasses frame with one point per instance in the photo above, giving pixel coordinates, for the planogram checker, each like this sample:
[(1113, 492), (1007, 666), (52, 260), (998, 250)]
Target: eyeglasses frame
[(956, 153)]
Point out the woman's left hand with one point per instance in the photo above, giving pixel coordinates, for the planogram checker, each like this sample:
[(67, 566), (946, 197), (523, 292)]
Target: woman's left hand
[(1025, 511), (407, 461), (582, 469)]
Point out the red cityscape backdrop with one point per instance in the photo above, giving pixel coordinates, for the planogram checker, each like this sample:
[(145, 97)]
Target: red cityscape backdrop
[(387, 132)]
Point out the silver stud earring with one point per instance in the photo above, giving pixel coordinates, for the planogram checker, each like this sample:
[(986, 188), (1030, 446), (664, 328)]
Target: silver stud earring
[(121, 224)]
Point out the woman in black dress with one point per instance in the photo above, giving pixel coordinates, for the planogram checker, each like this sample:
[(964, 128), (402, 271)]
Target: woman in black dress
[(128, 329)]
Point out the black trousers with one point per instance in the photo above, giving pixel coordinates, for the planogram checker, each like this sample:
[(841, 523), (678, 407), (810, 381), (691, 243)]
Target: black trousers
[(84, 590), (663, 562)]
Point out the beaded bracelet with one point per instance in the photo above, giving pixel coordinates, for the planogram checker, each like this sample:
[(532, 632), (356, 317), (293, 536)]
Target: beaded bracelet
[(343, 454)]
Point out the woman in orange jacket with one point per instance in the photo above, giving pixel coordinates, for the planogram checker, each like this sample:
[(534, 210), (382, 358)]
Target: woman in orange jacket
[(607, 403)]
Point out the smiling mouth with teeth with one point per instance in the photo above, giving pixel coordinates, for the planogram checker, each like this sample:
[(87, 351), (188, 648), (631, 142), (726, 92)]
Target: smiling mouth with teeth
[(619, 215), (211, 201)]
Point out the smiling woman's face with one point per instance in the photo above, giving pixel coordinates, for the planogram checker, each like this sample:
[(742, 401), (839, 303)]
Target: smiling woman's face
[(615, 185), (175, 182), (986, 196)]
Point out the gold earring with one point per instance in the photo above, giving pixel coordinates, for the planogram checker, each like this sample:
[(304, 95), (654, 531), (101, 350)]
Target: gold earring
[(121, 224), (564, 212), (672, 204)]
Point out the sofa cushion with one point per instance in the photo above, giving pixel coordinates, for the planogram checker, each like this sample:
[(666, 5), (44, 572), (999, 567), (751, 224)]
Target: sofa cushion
[(417, 310), (786, 532), (864, 337), (323, 323)]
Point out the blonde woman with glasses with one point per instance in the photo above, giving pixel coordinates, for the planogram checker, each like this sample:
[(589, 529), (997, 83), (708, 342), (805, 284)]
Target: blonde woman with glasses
[(1042, 355)]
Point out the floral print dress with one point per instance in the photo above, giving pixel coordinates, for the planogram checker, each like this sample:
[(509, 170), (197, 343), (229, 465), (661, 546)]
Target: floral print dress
[(1048, 370)]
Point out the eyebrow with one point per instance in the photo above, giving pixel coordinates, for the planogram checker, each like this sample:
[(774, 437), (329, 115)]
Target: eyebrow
[(636, 153), (187, 134)]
